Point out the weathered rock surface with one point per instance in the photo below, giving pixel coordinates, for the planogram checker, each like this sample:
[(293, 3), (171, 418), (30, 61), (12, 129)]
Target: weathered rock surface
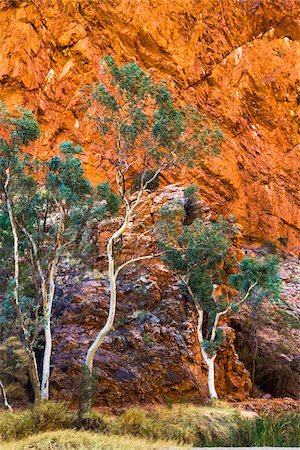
[(276, 352), (238, 60), (152, 354)]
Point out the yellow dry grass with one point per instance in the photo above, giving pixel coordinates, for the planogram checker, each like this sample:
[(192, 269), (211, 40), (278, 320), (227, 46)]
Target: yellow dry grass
[(84, 440)]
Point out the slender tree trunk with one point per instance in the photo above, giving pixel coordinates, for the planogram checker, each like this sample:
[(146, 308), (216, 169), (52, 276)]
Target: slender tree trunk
[(47, 330), (86, 390), (6, 404), (210, 361), (112, 305), (211, 373), (112, 278), (46, 359), (34, 377)]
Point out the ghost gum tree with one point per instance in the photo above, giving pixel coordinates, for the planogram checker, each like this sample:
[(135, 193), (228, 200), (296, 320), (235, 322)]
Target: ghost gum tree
[(146, 133), (200, 256), (18, 130), (46, 209), (53, 218)]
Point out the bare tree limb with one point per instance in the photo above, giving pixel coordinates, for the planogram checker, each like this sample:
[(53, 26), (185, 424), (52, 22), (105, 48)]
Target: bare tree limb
[(133, 260), (6, 404)]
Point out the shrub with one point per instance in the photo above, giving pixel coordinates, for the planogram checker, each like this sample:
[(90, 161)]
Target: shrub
[(16, 426), (218, 426)]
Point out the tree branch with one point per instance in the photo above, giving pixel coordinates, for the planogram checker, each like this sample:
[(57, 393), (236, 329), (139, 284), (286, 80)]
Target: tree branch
[(133, 260), (7, 405)]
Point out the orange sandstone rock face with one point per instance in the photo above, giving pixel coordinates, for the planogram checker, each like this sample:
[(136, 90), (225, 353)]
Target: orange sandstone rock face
[(238, 60)]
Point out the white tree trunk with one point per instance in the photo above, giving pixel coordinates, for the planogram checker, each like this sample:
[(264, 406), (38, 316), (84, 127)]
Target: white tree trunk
[(209, 361), (211, 373), (6, 404), (46, 360), (47, 330), (33, 372), (113, 299)]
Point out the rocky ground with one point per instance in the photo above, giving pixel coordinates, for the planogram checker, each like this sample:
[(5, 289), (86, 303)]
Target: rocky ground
[(267, 407)]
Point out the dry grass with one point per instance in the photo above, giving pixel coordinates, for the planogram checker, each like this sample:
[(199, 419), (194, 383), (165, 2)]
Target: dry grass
[(185, 424), (84, 440)]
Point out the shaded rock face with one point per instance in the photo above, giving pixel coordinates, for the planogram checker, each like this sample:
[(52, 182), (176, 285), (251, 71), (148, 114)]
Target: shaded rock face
[(276, 350), (237, 60), (152, 353)]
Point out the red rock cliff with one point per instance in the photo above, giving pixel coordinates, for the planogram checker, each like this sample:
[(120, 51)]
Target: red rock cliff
[(237, 59)]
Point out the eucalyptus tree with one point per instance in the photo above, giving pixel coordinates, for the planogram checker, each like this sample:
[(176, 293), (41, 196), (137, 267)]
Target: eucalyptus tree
[(53, 219), (200, 255), (143, 133), (18, 129), (47, 207)]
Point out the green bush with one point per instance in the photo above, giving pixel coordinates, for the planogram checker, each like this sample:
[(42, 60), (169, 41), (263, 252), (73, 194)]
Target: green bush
[(185, 424), (16, 426)]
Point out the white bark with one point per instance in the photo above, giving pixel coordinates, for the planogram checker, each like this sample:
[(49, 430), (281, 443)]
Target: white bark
[(6, 404), (33, 372), (112, 278), (47, 328), (211, 373), (210, 361), (112, 273), (47, 296)]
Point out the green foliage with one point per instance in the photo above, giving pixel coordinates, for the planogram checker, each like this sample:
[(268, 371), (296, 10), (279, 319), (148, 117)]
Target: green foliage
[(148, 340), (109, 198), (139, 120), (196, 251), (264, 272), (282, 431), (54, 207), (199, 252)]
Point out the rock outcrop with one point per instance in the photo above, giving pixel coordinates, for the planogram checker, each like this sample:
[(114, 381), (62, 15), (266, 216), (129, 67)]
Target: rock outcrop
[(238, 60), (152, 354)]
